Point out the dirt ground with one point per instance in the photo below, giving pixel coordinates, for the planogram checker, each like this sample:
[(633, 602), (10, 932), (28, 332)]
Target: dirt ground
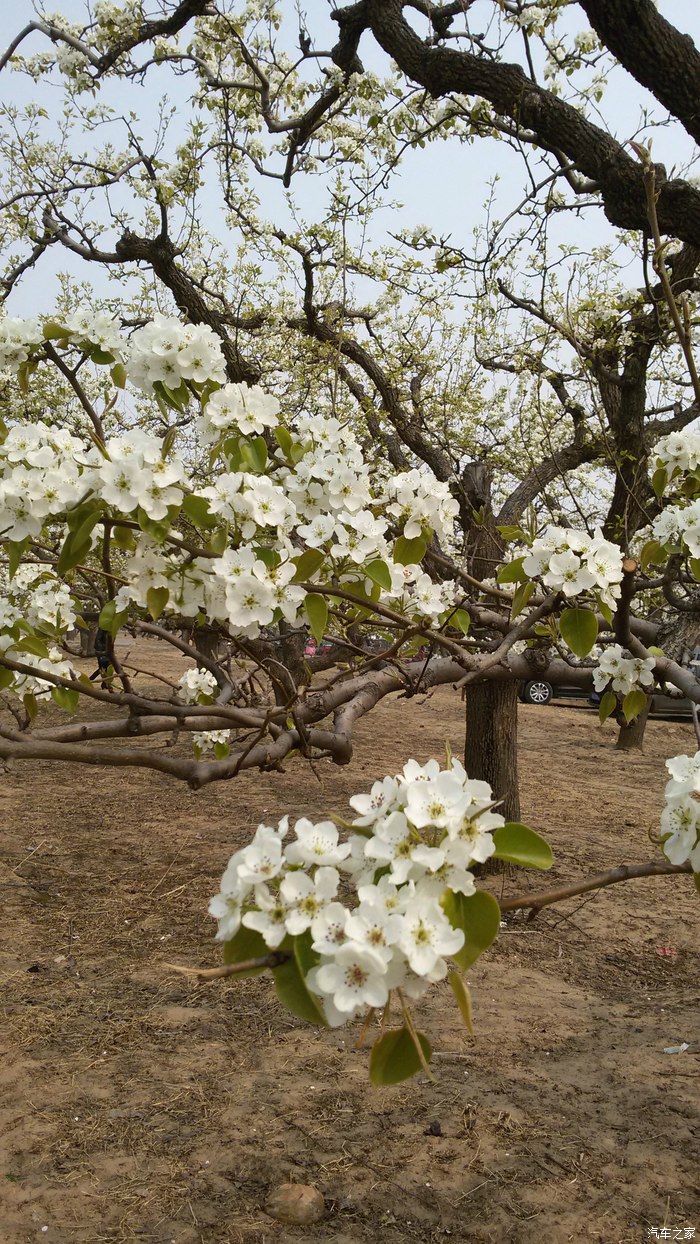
[(136, 1105)]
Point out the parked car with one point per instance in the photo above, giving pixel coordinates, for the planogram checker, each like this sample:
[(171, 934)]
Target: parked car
[(539, 691)]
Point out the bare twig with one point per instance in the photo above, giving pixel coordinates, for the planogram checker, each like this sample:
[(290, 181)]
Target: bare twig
[(624, 872)]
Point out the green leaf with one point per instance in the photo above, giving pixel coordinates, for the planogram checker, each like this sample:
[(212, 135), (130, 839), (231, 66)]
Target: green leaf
[(168, 442), (232, 452), (15, 552), (254, 454), (100, 356), (479, 917), (511, 533), (123, 538), (694, 563), (178, 399), (218, 541), (518, 844), (7, 677), (26, 369), (395, 1058), (197, 510), (606, 612), (269, 557), (53, 331), (378, 572), (246, 944), (579, 629), (118, 374), (31, 707), (461, 620), (317, 612), (633, 704), (65, 698), (290, 982), (110, 620), (307, 564), (658, 481), (521, 597), (284, 440), (156, 600), (157, 529), (461, 992), (512, 572), (652, 555), (34, 646), (608, 704), (69, 555), (221, 750), (409, 552), (83, 532)]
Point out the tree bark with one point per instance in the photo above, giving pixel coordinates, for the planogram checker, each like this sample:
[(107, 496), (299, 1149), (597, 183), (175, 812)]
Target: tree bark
[(87, 640), (490, 749), (207, 640), (491, 745), (558, 126), (631, 737)]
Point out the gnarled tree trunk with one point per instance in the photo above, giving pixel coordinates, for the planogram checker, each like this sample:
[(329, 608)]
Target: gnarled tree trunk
[(631, 737), (207, 640), (490, 749), (491, 745), (87, 639)]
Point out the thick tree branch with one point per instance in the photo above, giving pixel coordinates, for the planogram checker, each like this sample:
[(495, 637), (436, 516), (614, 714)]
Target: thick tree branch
[(658, 55), (558, 125)]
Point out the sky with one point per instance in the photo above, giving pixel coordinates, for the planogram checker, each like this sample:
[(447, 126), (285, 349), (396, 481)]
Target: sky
[(433, 187)]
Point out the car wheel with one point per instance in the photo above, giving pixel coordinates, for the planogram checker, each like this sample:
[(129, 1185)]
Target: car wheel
[(537, 692)]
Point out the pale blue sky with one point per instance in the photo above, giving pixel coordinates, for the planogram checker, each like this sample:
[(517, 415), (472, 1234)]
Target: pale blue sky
[(437, 185)]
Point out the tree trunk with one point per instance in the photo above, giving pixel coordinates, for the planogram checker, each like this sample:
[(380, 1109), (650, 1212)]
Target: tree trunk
[(87, 640), (631, 737), (207, 640), (490, 750)]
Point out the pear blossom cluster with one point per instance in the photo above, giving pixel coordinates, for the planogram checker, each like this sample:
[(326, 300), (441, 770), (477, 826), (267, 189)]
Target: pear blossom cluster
[(532, 19), (420, 502), (169, 352), (679, 525), (621, 671), (197, 686), (17, 340), (264, 507), (680, 819), (38, 596), (237, 590), (247, 502), (54, 663), (133, 473), (40, 475), (414, 837), (210, 740), (238, 407), (95, 328), (331, 479), (679, 452), (34, 599), (575, 563)]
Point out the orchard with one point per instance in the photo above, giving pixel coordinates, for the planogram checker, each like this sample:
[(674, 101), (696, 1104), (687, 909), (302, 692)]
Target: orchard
[(334, 461)]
